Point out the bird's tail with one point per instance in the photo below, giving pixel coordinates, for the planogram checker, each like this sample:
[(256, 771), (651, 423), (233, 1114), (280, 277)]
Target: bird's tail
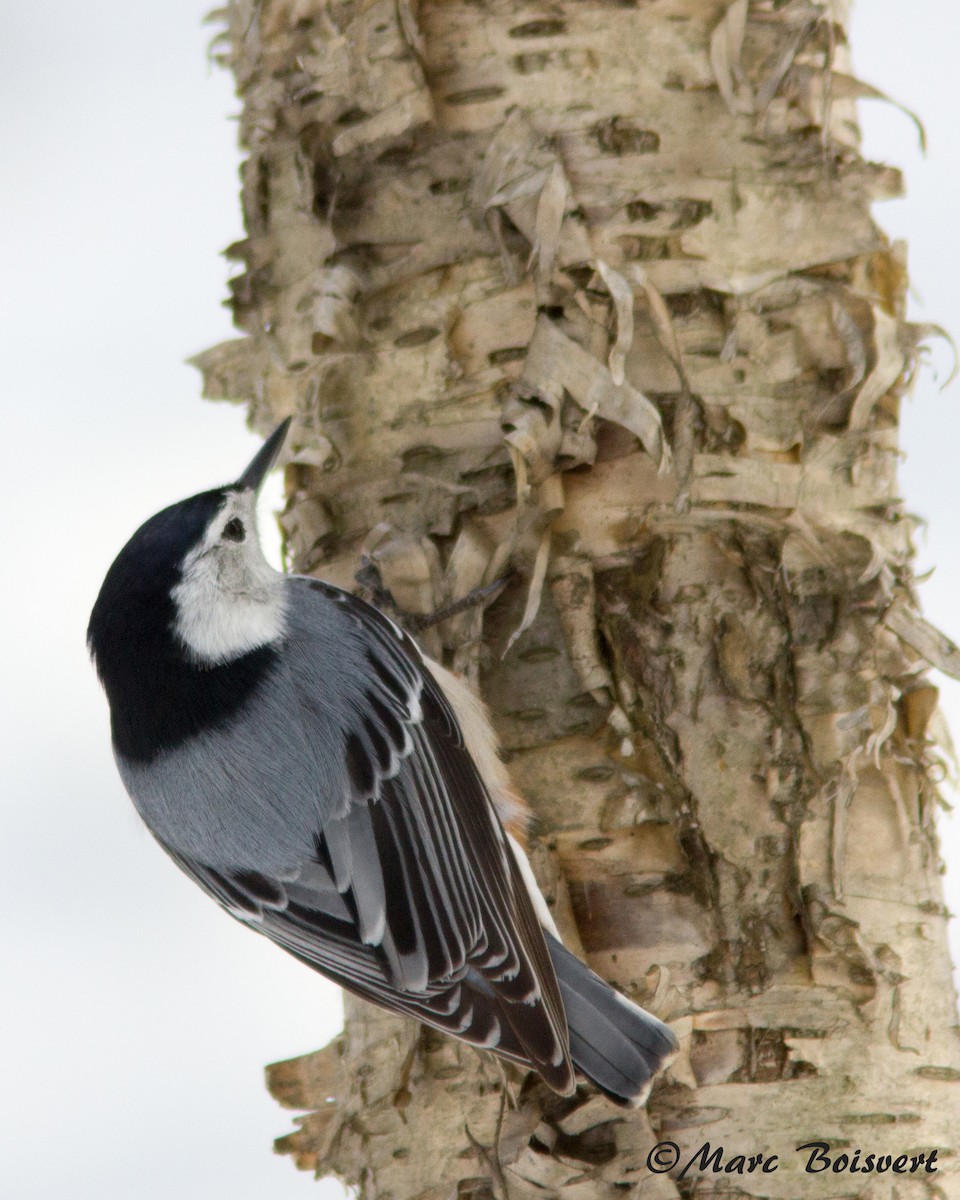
[(614, 1043)]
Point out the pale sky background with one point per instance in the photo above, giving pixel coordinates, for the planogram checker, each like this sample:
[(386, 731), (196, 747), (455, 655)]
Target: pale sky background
[(135, 1017)]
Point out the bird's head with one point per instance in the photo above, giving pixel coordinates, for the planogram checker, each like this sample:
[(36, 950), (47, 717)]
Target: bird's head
[(193, 581)]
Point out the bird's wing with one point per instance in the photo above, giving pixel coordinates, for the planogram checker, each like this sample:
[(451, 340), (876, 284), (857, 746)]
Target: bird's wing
[(410, 894)]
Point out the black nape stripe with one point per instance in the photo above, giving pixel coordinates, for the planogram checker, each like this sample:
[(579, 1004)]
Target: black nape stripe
[(158, 703)]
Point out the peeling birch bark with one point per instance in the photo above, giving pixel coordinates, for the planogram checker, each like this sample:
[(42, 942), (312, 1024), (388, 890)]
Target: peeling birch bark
[(596, 291)]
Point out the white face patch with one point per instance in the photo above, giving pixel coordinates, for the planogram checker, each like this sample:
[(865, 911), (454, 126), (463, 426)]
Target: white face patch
[(229, 600)]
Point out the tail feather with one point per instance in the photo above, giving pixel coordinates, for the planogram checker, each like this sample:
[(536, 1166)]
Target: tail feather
[(613, 1042)]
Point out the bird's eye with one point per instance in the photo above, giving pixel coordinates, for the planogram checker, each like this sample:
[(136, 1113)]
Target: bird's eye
[(234, 531)]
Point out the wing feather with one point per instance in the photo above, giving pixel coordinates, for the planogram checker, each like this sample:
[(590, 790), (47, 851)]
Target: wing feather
[(409, 894)]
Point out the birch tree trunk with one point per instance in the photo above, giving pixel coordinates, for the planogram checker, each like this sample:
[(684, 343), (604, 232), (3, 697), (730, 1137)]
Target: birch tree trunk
[(593, 292)]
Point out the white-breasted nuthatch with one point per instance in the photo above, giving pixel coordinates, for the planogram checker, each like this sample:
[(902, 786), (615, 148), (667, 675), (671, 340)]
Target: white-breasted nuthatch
[(330, 786)]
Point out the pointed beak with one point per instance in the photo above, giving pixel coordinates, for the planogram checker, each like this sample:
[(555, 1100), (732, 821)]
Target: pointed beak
[(264, 459)]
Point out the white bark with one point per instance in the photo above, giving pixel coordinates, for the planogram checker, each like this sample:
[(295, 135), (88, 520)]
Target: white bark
[(596, 290)]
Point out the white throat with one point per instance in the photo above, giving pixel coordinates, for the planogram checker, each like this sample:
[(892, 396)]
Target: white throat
[(229, 600)]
